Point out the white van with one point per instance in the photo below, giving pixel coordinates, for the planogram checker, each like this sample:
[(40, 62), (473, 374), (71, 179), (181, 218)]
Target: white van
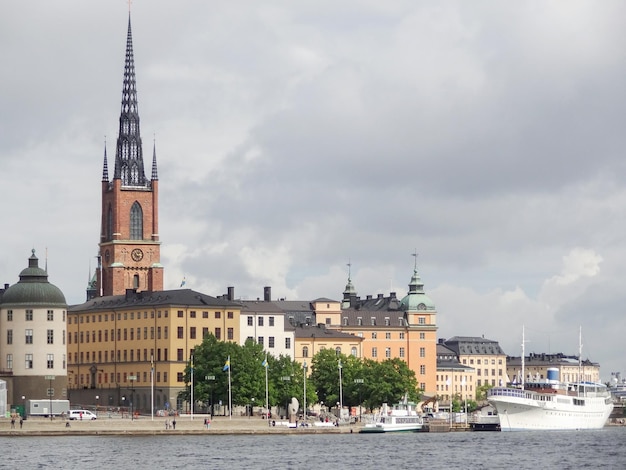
[(82, 415)]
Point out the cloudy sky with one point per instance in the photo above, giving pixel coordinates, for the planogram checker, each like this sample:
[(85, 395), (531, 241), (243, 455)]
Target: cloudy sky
[(295, 137)]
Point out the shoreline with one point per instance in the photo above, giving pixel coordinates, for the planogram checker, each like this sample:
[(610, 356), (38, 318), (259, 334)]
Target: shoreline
[(146, 426)]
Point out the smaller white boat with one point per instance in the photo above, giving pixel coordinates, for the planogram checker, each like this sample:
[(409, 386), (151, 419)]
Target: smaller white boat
[(401, 417)]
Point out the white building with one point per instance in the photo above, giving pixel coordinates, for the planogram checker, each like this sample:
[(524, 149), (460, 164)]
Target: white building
[(32, 337)]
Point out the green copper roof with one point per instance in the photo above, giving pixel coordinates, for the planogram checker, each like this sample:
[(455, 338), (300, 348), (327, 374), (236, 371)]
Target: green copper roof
[(416, 299), (33, 288)]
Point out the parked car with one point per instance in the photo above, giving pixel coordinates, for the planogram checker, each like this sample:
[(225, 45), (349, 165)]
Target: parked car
[(81, 415)]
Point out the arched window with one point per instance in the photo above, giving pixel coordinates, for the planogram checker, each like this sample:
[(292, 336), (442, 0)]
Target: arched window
[(136, 281), (353, 351), (136, 222), (109, 229), (305, 351)]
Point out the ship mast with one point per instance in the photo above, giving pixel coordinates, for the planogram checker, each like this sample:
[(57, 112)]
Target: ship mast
[(523, 357)]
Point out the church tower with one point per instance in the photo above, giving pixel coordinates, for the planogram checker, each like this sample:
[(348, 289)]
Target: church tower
[(130, 254)]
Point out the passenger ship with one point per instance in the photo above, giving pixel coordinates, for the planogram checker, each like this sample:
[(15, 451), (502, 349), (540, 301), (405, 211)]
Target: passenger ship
[(551, 404), (402, 417)]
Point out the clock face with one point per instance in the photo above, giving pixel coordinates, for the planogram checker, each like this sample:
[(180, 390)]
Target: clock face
[(136, 254)]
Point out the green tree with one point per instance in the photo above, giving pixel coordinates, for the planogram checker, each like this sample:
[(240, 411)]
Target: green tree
[(325, 374)]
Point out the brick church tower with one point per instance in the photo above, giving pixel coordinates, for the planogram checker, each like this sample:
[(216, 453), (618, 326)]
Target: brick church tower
[(130, 252)]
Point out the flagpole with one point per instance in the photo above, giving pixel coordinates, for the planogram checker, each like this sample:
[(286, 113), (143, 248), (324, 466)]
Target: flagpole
[(152, 386), (192, 387), (340, 391), (267, 401), (230, 397)]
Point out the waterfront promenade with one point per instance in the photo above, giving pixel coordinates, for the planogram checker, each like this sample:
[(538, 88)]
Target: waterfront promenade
[(144, 425)]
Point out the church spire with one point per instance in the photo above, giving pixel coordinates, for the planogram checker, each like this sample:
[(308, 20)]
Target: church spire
[(105, 166), (129, 159), (155, 173)]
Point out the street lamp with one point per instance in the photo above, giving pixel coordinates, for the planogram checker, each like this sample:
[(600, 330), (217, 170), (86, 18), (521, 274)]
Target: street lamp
[(360, 382), (132, 379), (304, 391), (50, 378), (251, 408), (24, 402), (285, 379), (97, 398), (210, 378)]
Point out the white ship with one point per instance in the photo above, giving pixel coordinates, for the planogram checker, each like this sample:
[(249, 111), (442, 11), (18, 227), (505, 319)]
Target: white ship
[(551, 404), (402, 417)]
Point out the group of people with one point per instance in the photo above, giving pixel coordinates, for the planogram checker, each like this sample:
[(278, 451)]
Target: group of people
[(13, 422), (169, 424)]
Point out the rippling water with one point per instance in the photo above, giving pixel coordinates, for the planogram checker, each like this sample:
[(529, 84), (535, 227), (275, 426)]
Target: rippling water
[(489, 450)]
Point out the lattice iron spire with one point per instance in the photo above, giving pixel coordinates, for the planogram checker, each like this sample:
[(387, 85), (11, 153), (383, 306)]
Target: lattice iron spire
[(105, 166), (155, 174), (129, 155)]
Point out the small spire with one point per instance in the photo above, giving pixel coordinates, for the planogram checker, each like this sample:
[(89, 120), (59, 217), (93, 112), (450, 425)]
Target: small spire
[(155, 174), (105, 166)]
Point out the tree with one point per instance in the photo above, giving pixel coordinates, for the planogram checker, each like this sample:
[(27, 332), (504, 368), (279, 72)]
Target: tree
[(325, 374)]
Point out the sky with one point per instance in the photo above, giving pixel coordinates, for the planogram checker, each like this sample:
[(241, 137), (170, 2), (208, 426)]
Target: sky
[(295, 138)]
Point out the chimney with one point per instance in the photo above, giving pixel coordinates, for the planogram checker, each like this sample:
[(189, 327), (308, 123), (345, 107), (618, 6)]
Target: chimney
[(368, 297), (392, 295), (231, 293), (267, 294), (380, 296)]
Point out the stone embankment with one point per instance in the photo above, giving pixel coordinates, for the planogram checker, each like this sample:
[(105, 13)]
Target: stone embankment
[(146, 426)]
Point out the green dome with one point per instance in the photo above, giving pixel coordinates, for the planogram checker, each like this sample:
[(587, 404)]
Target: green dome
[(416, 300), (33, 288)]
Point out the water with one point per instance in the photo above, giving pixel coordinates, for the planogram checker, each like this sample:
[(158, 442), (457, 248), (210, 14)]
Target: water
[(477, 450)]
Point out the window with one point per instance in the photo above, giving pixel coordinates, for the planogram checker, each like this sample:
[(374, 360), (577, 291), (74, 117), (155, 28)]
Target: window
[(387, 353), (29, 361), (401, 335), (373, 321), (29, 336), (250, 321), (359, 321), (422, 352), (152, 332), (165, 335), (50, 361), (260, 340), (29, 315), (9, 361), (50, 336), (271, 319), (158, 332), (230, 334), (179, 355), (230, 315), (421, 321), (260, 321), (9, 336), (181, 332), (192, 332), (180, 314), (287, 343), (192, 314), (305, 351), (218, 333), (271, 342), (422, 369), (401, 352), (345, 321), (9, 315), (387, 321), (328, 320), (422, 335), (387, 335), (374, 335), (374, 352), (136, 222), (50, 315), (353, 351), (179, 377)]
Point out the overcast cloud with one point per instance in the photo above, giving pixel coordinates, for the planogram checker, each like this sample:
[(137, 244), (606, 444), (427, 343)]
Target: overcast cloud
[(294, 137)]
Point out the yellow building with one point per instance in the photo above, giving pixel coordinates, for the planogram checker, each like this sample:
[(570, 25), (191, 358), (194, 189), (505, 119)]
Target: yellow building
[(390, 327), (114, 341), (537, 365)]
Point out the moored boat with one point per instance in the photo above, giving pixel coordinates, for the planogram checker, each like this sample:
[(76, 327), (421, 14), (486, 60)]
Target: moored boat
[(551, 404), (401, 417)]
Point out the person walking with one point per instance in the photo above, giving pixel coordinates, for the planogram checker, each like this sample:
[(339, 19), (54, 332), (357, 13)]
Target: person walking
[(21, 422), (12, 422), (174, 423)]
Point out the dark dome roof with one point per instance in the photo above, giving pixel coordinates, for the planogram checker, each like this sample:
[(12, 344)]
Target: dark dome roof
[(33, 288)]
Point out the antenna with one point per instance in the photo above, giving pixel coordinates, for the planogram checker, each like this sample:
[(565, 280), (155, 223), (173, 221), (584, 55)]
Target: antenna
[(415, 255)]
